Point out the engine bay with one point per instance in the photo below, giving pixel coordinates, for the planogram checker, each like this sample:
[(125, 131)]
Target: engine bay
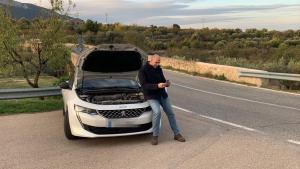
[(114, 98)]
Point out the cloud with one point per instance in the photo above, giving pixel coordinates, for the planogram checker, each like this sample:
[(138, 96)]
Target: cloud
[(183, 20), (166, 12)]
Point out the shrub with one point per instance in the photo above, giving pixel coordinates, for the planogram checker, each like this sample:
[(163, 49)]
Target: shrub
[(293, 66), (60, 80)]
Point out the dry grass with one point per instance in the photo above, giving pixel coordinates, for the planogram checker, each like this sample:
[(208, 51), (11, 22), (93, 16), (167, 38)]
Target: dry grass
[(19, 82), (221, 72)]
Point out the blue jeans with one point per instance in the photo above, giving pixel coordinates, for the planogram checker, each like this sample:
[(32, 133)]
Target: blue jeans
[(166, 105)]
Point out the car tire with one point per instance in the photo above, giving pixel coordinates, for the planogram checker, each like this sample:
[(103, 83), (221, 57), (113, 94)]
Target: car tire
[(67, 128), (64, 111)]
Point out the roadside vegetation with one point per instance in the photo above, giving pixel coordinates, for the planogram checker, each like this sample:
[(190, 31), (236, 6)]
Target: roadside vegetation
[(20, 82), (270, 50), (36, 48), (208, 75), (33, 54), (277, 51), (30, 105)]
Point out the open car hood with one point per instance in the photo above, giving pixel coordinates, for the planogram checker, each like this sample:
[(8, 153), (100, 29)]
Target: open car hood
[(117, 61)]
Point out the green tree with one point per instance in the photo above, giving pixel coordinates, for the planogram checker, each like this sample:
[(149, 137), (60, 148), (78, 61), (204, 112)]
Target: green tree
[(135, 38), (176, 28), (92, 26), (41, 45), (195, 44), (23, 23), (220, 45)]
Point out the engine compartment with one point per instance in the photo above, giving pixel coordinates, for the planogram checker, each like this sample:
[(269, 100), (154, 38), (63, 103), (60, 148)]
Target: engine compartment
[(114, 98)]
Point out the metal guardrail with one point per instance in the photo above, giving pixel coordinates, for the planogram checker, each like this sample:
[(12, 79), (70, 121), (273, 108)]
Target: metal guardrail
[(6, 94), (270, 75)]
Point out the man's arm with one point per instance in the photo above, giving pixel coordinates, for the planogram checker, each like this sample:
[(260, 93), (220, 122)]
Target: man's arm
[(162, 75), (167, 82), (143, 82)]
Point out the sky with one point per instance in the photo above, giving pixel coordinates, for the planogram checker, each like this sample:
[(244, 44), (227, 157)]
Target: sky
[(244, 14)]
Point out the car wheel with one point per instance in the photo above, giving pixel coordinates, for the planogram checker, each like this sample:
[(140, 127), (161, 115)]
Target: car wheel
[(67, 128), (64, 111)]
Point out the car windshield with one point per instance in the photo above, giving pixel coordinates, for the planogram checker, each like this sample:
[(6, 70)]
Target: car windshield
[(108, 83)]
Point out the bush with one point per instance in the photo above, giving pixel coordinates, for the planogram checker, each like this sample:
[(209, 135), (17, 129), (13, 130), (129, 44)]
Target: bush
[(277, 66), (60, 80), (290, 85), (293, 66), (230, 51), (239, 62), (220, 45)]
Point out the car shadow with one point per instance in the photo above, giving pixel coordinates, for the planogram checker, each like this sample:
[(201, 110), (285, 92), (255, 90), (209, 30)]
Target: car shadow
[(112, 141)]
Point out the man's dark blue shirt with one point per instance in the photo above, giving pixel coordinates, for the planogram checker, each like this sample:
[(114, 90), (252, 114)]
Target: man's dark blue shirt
[(149, 78)]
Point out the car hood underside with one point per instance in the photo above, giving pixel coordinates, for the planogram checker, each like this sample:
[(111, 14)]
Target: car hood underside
[(111, 61)]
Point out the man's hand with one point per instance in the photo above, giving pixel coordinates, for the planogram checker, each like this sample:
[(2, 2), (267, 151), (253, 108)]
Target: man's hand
[(162, 85)]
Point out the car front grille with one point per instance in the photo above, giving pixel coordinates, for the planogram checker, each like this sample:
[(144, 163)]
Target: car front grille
[(117, 130), (126, 113)]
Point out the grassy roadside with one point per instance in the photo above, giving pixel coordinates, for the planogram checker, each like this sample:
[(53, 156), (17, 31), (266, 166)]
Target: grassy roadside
[(19, 82), (30, 105)]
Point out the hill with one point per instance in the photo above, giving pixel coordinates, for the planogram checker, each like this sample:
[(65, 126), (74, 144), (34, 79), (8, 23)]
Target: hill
[(27, 10)]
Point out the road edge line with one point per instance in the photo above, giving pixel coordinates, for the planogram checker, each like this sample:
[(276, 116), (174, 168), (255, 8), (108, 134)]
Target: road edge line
[(236, 98), (219, 120)]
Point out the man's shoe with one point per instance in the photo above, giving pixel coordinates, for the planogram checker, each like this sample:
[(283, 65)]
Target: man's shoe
[(154, 140), (179, 138)]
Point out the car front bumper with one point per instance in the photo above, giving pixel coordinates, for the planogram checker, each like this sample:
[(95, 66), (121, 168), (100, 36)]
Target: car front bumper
[(86, 125)]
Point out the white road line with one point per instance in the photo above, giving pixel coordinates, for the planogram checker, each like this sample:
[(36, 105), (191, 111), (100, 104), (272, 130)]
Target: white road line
[(294, 142), (218, 120), (229, 123), (237, 98)]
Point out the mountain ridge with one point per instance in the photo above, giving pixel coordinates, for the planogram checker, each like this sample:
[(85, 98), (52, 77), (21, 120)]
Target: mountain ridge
[(27, 10)]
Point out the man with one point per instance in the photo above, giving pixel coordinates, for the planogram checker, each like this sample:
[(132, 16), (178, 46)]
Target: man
[(153, 84)]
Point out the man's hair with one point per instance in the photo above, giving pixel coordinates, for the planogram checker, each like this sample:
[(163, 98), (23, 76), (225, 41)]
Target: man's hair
[(151, 53), (151, 56)]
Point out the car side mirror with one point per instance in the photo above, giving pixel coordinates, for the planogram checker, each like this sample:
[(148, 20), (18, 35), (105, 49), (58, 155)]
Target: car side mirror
[(65, 85)]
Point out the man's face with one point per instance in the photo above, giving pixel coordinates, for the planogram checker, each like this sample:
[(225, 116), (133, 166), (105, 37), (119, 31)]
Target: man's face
[(154, 60)]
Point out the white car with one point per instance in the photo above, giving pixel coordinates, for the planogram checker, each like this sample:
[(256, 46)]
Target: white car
[(103, 98)]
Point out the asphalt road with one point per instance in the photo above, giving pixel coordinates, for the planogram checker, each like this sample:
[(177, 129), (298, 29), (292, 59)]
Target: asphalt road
[(226, 126), (265, 111)]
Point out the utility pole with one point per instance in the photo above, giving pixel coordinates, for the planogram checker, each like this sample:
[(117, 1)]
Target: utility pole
[(106, 16)]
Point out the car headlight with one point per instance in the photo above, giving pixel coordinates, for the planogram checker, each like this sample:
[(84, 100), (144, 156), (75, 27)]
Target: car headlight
[(85, 110)]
